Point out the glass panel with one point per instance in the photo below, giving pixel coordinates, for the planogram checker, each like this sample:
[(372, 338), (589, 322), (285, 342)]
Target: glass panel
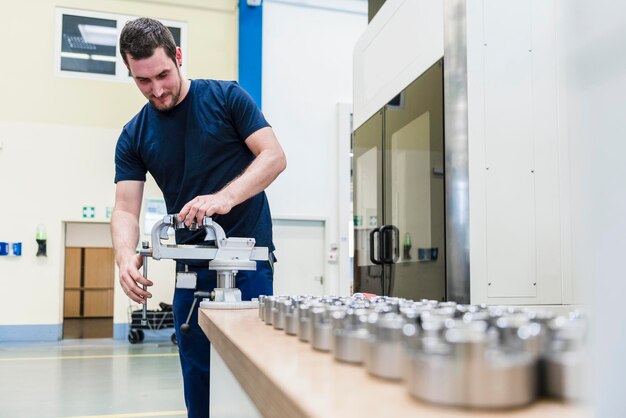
[(367, 183), (175, 34), (88, 45), (414, 188)]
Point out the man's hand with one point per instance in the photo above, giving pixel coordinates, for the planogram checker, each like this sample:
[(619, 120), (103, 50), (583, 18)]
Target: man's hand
[(131, 279), (205, 205)]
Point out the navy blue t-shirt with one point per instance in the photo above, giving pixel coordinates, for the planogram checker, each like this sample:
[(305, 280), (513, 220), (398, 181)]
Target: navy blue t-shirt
[(197, 148)]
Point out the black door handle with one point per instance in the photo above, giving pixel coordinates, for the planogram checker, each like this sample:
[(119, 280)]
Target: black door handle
[(372, 257), (389, 244)]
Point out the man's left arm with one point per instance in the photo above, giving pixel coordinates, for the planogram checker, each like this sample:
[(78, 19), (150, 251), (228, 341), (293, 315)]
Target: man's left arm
[(269, 162)]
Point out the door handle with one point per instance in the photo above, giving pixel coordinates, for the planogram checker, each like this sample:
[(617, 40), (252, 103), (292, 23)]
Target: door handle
[(389, 255), (373, 258)]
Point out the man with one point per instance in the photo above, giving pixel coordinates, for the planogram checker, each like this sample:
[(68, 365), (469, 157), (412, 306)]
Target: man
[(212, 153)]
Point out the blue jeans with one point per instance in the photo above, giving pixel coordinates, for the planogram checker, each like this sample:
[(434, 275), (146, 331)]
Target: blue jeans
[(194, 347)]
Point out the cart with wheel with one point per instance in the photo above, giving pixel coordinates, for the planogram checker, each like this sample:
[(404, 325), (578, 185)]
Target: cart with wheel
[(156, 320)]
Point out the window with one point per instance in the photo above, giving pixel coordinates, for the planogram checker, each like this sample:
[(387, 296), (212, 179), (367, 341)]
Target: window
[(87, 44)]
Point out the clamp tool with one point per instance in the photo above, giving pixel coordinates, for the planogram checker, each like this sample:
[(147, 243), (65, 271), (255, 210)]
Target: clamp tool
[(227, 257)]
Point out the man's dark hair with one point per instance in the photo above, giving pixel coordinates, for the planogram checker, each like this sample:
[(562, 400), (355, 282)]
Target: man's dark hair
[(140, 37)]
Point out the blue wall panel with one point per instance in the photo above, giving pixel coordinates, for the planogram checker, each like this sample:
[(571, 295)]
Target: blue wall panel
[(48, 332), (251, 49)]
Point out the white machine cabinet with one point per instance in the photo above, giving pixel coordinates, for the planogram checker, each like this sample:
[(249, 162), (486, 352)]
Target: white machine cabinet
[(507, 167)]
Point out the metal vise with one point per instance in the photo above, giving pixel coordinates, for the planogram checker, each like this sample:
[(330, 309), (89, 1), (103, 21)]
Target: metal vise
[(227, 257)]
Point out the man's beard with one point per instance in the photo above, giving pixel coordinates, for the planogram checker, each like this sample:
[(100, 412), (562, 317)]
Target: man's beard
[(175, 97)]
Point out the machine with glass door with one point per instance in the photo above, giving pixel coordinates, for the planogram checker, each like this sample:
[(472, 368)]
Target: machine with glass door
[(399, 195)]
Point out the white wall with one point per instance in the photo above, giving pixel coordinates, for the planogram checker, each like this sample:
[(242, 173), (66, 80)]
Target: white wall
[(88, 235), (64, 173), (56, 173), (594, 35), (307, 71), (58, 139)]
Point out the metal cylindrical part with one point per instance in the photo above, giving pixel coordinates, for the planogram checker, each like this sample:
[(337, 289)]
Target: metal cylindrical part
[(304, 323), (226, 279), (348, 346), (473, 367), (564, 374), (278, 312), (321, 337), (384, 359), (262, 307), (349, 336), (471, 384), (385, 347), (269, 305), (321, 331), (291, 318), (564, 359)]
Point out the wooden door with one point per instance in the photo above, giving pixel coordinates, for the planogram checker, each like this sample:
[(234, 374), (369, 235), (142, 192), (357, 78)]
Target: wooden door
[(99, 279), (89, 281), (71, 307)]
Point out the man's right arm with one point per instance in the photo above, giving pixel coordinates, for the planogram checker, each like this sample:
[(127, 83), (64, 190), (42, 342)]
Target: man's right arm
[(125, 234)]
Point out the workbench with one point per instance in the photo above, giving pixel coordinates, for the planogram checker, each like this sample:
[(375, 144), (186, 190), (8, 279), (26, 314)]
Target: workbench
[(284, 377)]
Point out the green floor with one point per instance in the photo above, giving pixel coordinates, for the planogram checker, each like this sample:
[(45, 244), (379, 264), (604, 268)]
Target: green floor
[(90, 378)]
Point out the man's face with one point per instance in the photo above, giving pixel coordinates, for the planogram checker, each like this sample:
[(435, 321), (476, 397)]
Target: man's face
[(158, 78)]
